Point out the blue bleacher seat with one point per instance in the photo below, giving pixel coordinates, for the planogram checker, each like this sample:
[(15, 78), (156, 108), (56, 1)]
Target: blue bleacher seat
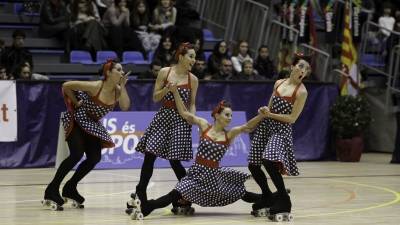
[(207, 55), (373, 60), (103, 56), (133, 57), (209, 36), (19, 8), (82, 57)]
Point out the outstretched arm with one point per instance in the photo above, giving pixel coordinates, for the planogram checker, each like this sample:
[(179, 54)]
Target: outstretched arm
[(250, 125), (188, 116)]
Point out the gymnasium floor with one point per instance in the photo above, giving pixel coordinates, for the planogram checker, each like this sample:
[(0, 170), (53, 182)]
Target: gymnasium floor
[(326, 193)]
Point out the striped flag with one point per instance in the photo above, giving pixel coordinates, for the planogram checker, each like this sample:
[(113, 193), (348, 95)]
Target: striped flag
[(349, 84)]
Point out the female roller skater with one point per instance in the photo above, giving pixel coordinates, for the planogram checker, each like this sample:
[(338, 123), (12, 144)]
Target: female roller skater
[(207, 184), (169, 135), (272, 144), (87, 103)]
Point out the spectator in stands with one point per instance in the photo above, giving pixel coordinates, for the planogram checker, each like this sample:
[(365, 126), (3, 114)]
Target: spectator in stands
[(165, 52), (393, 40), (140, 21), (3, 73), (248, 72), (225, 71), (220, 52), (240, 53), (152, 73), (387, 21), (164, 17), (54, 19), (198, 47), (86, 33), (199, 69), (24, 72), (16, 54), (120, 35), (263, 64)]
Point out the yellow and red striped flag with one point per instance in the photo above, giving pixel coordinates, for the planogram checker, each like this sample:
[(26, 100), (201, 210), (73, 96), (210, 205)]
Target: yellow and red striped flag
[(349, 84)]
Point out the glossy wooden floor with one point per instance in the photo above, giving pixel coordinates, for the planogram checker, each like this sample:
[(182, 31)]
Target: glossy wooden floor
[(367, 192)]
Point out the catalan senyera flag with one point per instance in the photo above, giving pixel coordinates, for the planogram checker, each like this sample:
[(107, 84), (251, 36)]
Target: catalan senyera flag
[(349, 84)]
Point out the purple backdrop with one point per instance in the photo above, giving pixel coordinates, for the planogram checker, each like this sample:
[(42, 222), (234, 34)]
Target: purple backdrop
[(40, 104)]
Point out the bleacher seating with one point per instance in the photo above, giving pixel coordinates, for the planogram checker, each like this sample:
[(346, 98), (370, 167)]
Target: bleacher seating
[(48, 53), (133, 57)]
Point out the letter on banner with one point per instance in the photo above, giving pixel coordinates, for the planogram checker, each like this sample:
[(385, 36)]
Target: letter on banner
[(8, 111)]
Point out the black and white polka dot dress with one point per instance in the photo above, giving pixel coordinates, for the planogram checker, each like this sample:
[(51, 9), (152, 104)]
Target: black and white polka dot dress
[(88, 116), (210, 186), (169, 136), (273, 140)]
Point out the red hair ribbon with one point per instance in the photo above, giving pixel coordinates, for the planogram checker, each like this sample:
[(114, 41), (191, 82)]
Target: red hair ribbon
[(182, 49), (218, 109), (107, 66)]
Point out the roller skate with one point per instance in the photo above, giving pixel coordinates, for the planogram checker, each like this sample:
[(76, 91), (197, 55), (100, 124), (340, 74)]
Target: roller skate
[(135, 200), (70, 193), (133, 207), (281, 209), (262, 207), (52, 199), (182, 207)]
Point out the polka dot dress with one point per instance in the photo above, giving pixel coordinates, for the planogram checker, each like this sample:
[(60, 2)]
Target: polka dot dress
[(88, 116), (273, 140), (209, 187), (169, 136)]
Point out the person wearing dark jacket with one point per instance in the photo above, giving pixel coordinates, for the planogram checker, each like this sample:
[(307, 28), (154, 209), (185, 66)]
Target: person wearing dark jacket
[(54, 19), (16, 54), (263, 64)]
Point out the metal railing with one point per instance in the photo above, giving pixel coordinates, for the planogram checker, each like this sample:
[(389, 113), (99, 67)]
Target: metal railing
[(274, 35), (393, 85), (320, 59)]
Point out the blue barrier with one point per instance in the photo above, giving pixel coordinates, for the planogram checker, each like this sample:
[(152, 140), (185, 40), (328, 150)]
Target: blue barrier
[(40, 105)]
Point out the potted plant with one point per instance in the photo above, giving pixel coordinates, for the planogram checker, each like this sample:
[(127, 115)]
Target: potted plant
[(350, 117)]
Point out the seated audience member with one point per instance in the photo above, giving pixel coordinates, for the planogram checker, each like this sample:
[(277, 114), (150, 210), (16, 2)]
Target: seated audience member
[(219, 52), (240, 54), (164, 16), (248, 72), (263, 64), (225, 71), (25, 73), (120, 35), (165, 51), (140, 21), (86, 33), (54, 19), (152, 73), (3, 73), (199, 68), (17, 54)]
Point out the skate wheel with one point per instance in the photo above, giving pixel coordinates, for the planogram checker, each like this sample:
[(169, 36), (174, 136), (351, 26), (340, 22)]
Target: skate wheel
[(174, 210), (190, 211), (129, 211), (139, 216), (289, 217), (133, 195), (136, 202), (278, 218)]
